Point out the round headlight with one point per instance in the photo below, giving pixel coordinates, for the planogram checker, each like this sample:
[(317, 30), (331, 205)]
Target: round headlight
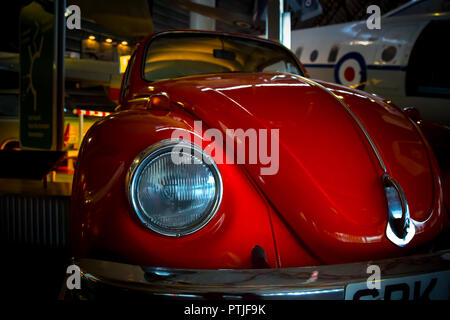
[(174, 198)]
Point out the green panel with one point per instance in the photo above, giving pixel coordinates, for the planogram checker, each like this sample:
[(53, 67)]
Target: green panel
[(37, 47)]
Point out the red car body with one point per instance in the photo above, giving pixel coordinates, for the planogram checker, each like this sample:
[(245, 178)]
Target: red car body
[(325, 205)]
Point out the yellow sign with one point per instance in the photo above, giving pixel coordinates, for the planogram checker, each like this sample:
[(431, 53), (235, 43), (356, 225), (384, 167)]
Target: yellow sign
[(124, 62)]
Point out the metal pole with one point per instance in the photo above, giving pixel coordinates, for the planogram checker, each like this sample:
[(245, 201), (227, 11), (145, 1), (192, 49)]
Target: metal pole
[(278, 22), (273, 20), (60, 30), (200, 22), (80, 127)]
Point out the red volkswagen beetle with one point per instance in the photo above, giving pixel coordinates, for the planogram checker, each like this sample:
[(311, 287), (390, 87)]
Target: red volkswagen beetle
[(227, 172)]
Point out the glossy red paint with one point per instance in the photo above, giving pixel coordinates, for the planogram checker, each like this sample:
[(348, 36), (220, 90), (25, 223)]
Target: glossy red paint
[(104, 221), (325, 205)]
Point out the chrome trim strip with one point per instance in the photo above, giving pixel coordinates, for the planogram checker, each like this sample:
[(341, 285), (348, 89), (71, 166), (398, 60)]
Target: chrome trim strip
[(141, 99), (363, 129), (147, 99)]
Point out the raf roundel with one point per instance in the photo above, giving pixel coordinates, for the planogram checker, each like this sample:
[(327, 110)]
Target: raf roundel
[(351, 71)]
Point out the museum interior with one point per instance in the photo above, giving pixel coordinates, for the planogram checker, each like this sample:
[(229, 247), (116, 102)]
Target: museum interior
[(354, 93)]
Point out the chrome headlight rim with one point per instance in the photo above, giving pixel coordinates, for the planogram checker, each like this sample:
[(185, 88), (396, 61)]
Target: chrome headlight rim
[(140, 162)]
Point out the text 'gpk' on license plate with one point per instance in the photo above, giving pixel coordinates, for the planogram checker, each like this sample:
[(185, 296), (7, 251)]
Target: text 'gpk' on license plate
[(434, 286)]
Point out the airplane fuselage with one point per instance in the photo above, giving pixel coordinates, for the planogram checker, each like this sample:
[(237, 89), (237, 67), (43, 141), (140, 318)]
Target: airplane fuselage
[(404, 61)]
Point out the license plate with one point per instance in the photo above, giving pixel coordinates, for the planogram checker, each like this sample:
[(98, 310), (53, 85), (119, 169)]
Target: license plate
[(433, 286)]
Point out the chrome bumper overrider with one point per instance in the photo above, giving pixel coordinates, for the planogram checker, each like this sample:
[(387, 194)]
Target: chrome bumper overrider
[(103, 279)]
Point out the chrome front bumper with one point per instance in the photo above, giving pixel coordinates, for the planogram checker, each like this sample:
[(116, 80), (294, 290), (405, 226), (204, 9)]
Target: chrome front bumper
[(103, 279)]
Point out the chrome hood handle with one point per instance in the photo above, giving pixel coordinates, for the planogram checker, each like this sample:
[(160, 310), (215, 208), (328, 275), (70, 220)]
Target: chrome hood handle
[(400, 227)]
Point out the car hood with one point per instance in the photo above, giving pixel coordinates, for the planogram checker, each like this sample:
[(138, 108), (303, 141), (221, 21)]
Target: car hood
[(328, 188)]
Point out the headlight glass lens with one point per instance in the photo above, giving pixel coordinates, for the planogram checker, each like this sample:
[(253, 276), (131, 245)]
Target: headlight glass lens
[(171, 198)]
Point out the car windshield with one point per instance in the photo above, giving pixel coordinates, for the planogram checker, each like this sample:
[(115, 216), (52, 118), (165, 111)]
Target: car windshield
[(183, 54)]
